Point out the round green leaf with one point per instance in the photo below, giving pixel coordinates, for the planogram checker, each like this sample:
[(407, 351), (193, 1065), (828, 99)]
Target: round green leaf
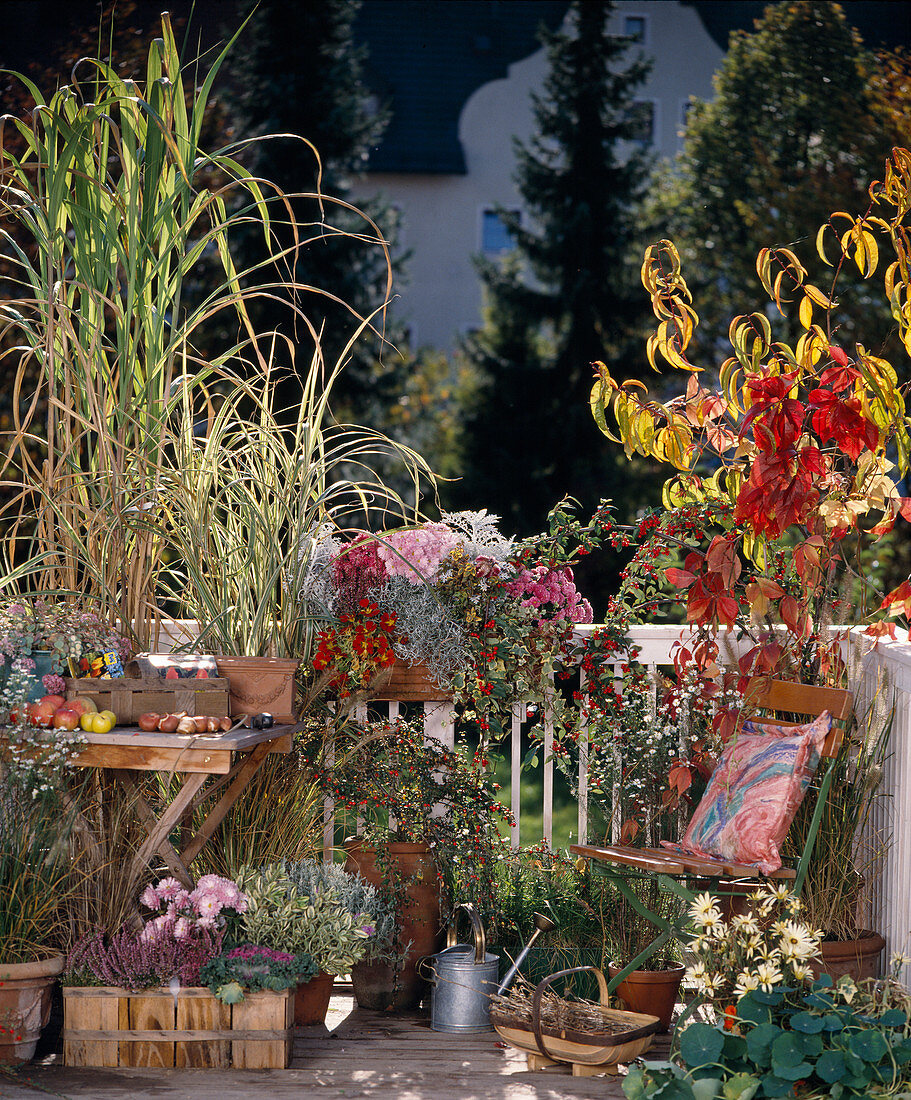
[(868, 1045), (701, 1044), (787, 1050), (759, 1041), (893, 1018), (807, 1022), (831, 1066)]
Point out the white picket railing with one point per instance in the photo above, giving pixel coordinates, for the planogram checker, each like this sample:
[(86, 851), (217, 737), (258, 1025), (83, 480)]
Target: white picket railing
[(880, 676), (880, 679)]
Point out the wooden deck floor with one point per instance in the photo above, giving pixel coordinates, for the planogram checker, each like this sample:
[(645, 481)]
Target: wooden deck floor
[(359, 1055)]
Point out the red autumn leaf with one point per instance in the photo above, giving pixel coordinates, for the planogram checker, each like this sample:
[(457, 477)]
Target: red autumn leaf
[(905, 508), (839, 378), (898, 600), (628, 831), (680, 778), (679, 578), (841, 420), (722, 558), (877, 630), (839, 355)]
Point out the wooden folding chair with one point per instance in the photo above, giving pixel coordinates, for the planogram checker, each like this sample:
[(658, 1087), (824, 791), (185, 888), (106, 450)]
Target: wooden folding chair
[(786, 703)]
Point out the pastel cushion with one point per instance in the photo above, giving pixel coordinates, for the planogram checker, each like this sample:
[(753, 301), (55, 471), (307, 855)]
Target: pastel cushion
[(755, 790)]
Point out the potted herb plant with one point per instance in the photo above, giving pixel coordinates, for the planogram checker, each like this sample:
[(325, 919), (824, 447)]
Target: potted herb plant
[(295, 914), (428, 836), (44, 634)]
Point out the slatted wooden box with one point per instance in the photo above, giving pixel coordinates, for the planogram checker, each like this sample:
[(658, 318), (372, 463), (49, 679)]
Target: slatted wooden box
[(105, 1026), (128, 697)]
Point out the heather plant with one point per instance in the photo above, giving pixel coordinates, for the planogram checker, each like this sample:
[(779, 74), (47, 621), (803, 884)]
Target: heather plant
[(214, 903), (131, 960)]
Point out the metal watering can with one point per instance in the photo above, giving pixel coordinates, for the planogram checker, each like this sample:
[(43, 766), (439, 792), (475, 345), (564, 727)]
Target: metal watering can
[(464, 978)]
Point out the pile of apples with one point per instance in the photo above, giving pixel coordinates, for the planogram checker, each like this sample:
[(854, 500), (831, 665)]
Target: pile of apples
[(53, 711)]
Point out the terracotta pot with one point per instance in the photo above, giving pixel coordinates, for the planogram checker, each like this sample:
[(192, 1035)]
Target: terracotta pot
[(857, 958), (25, 1005), (409, 683), (311, 1000), (382, 986), (260, 685), (653, 992)]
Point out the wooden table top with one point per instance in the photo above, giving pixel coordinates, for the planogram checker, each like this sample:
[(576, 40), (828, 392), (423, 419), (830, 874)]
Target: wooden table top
[(138, 750)]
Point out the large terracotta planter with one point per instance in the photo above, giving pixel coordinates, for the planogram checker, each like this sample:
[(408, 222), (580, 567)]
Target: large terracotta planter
[(260, 685), (857, 958), (311, 1000), (653, 992), (25, 1005), (377, 985)]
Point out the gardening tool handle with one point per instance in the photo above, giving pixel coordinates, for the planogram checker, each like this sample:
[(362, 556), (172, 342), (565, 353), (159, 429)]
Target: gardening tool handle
[(536, 1012), (477, 927)]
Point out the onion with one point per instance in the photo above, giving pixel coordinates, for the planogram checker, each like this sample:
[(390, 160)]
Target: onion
[(148, 721)]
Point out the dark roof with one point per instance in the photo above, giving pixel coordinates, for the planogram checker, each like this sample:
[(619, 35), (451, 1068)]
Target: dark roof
[(426, 57), (880, 22)]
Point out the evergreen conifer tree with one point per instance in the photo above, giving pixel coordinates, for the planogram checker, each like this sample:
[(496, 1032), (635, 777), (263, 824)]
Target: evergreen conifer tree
[(297, 71), (569, 293)]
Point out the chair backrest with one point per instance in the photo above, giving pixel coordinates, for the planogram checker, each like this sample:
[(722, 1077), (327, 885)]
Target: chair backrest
[(775, 697)]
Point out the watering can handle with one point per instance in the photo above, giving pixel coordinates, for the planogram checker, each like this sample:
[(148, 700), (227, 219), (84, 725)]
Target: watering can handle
[(480, 940)]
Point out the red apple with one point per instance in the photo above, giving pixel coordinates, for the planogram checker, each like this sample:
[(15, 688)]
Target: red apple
[(41, 713), (65, 719), (58, 699), (77, 705)]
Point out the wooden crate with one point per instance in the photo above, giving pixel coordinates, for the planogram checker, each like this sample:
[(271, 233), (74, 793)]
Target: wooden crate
[(129, 697), (105, 1026)]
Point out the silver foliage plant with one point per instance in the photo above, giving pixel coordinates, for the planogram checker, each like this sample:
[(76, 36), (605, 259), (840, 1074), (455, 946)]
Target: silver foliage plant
[(433, 636)]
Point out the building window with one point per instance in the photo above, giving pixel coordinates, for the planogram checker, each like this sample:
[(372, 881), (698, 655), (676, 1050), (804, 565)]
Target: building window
[(495, 237), (634, 27), (642, 122)]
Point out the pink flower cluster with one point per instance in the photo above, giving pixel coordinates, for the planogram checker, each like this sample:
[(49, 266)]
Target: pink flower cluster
[(183, 912), (553, 592), (250, 951), (417, 553)]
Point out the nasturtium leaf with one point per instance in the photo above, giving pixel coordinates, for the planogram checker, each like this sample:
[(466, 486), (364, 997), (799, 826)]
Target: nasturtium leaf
[(706, 1088), (831, 1022), (742, 1086), (701, 1044), (750, 1011), (787, 1050), (807, 1022), (771, 998), (831, 1066), (775, 1086), (894, 1017), (735, 1048), (869, 1045), (759, 1042)]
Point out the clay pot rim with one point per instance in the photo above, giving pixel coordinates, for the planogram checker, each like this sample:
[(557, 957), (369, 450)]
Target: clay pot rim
[(48, 966), (669, 970)]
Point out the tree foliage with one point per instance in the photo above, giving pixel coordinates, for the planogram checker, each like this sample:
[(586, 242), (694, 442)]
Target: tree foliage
[(567, 296), (803, 116), (297, 71)]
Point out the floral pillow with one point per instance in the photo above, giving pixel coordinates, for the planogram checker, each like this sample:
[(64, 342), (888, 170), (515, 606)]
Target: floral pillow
[(755, 790)]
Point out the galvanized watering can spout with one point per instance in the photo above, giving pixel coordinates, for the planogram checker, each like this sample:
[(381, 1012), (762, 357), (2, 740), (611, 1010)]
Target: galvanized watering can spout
[(542, 924)]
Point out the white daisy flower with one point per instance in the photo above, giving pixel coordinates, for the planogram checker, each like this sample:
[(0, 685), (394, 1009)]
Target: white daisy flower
[(768, 976), (746, 981)]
